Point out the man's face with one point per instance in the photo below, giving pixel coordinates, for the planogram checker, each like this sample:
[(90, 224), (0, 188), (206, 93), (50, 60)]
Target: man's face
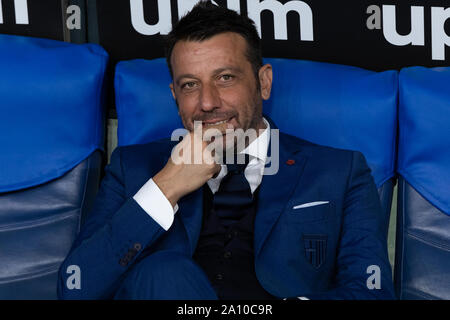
[(213, 82)]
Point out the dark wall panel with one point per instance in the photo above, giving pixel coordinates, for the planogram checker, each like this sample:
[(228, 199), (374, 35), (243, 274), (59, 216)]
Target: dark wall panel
[(36, 18), (63, 20), (364, 33), (373, 34)]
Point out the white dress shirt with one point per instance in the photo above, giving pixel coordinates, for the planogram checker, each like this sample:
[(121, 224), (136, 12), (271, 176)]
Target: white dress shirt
[(157, 206)]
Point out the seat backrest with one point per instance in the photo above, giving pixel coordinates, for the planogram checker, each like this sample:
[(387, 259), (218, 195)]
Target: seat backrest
[(339, 106), (52, 137), (422, 261), (343, 107)]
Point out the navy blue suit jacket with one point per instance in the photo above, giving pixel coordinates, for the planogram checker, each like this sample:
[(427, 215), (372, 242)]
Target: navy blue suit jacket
[(321, 252)]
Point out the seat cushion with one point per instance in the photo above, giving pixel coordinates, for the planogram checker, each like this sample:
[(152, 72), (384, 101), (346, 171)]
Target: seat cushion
[(51, 114), (424, 133)]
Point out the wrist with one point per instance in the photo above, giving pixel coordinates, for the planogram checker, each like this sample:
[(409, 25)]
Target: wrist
[(167, 187)]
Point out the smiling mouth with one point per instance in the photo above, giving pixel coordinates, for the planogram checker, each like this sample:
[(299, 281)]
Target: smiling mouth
[(215, 122)]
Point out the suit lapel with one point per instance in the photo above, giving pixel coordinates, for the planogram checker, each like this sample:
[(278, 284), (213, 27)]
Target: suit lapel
[(276, 190)]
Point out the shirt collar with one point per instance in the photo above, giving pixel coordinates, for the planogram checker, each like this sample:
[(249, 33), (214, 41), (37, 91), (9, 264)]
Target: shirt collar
[(257, 150), (258, 147)]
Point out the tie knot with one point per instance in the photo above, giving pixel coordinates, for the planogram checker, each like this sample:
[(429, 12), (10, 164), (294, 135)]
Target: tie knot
[(240, 161)]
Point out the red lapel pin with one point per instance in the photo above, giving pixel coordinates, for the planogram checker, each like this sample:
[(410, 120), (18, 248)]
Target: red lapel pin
[(290, 162)]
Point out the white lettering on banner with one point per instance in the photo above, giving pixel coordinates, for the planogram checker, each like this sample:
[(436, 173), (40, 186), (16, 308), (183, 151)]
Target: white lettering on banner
[(417, 35), (164, 24), (185, 6), (439, 38), (20, 9), (280, 11), (254, 8)]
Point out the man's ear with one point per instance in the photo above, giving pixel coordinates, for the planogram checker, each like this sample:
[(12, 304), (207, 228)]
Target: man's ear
[(265, 80), (174, 96), (173, 91)]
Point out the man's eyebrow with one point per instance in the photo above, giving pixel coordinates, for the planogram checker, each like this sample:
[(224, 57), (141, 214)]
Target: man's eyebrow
[(217, 71), (186, 75), (233, 69)]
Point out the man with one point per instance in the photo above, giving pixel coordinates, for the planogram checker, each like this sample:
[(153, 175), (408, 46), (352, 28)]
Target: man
[(168, 229)]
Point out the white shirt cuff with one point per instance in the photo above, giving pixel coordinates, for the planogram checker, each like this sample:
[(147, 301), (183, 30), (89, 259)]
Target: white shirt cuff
[(155, 203)]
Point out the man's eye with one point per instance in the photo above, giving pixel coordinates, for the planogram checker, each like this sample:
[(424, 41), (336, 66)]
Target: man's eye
[(188, 85), (226, 77)]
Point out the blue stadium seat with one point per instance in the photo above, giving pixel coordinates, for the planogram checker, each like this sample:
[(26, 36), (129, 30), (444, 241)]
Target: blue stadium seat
[(334, 105), (422, 261), (52, 137)]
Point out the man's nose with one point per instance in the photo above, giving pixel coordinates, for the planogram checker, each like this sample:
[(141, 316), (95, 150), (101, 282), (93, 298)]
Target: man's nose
[(209, 98)]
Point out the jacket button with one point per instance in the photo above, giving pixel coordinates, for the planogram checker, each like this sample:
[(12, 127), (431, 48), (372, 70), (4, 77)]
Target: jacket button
[(123, 262), (137, 246), (227, 255), (130, 255)]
